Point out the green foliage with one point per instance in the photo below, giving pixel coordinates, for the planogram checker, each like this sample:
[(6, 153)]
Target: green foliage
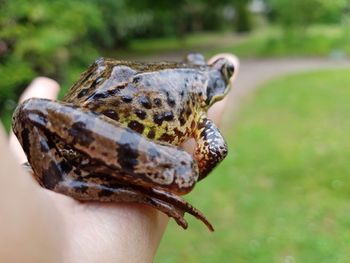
[(244, 17), (282, 193), (305, 12), (42, 38), (54, 38), (176, 18)]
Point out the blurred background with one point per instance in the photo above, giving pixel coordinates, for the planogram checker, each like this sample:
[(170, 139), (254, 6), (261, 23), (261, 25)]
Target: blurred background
[(281, 195)]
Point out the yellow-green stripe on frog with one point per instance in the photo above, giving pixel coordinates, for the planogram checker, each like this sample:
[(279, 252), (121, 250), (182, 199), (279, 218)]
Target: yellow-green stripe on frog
[(115, 135)]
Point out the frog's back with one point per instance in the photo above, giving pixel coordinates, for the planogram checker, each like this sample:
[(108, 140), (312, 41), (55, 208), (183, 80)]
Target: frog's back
[(158, 100)]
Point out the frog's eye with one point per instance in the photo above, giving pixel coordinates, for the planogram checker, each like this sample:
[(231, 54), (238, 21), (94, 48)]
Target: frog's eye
[(227, 70), (225, 67)]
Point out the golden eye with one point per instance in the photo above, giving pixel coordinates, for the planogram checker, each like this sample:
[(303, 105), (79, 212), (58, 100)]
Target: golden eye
[(228, 70)]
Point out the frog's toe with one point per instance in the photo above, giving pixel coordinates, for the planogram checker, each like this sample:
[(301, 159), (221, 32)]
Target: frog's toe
[(181, 205)]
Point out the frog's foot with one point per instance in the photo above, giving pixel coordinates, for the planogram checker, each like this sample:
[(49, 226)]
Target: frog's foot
[(168, 203), (182, 204)]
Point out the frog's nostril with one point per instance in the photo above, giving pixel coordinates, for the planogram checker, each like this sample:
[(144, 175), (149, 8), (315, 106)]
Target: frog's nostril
[(183, 163)]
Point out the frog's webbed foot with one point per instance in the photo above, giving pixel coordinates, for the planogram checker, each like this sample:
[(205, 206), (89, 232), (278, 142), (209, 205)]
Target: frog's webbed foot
[(108, 191), (113, 192), (170, 204)]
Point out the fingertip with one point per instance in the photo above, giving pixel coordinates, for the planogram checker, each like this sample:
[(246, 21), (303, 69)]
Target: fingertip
[(41, 87)]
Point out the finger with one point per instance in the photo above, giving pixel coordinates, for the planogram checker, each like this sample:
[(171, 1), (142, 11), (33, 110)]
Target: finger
[(40, 87)]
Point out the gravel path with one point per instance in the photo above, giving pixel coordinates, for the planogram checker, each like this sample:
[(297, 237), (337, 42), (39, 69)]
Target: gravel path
[(253, 73)]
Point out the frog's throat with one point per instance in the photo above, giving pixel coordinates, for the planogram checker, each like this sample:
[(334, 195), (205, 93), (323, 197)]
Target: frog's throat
[(219, 97)]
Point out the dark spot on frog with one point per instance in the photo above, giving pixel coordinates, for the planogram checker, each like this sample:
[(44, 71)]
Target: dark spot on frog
[(111, 114), (168, 116), (182, 118), (79, 187), (77, 172), (158, 118), (98, 80), (128, 151), (82, 93), (43, 146), (151, 134), (140, 114), (113, 92), (39, 117), (146, 102), (98, 96), (105, 192), (65, 167), (182, 93), (25, 140), (188, 112), (136, 126), (170, 100), (166, 137), (52, 176), (178, 133), (80, 134), (127, 98), (157, 102)]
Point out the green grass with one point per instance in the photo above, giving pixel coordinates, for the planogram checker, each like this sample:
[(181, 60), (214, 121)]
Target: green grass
[(282, 195)]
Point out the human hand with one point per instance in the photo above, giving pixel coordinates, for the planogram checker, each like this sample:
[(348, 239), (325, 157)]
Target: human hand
[(74, 231)]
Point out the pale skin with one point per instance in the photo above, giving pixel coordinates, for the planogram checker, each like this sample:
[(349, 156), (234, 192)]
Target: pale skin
[(38, 225)]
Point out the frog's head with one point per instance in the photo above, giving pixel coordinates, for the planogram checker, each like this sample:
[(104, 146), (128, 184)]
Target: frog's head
[(220, 73)]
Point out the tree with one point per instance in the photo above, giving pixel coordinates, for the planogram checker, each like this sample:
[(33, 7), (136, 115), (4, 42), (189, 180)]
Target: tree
[(301, 13)]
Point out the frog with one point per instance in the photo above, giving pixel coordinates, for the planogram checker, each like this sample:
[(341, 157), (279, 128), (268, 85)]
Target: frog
[(116, 135)]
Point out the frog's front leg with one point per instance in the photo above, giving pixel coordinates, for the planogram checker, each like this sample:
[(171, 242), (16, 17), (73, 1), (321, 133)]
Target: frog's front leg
[(38, 122), (211, 146)]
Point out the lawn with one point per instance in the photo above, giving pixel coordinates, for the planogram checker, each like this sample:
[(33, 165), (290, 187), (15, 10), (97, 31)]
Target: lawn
[(281, 195)]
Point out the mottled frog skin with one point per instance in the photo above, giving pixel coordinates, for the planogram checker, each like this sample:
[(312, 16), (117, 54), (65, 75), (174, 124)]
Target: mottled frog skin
[(115, 135)]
